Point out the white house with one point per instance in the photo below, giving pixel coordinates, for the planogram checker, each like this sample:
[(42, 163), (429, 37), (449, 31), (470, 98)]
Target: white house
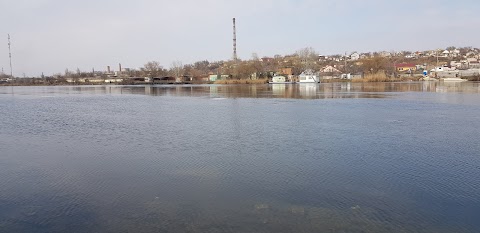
[(411, 55), (354, 56), (308, 77), (455, 53), (385, 54), (445, 53), (279, 79), (442, 68)]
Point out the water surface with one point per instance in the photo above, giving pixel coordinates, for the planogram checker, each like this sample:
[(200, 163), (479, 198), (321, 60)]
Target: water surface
[(387, 157)]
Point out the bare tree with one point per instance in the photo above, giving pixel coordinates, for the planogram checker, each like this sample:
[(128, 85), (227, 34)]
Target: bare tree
[(152, 69), (451, 48), (257, 65), (177, 69), (375, 64), (307, 56), (67, 73), (241, 70)]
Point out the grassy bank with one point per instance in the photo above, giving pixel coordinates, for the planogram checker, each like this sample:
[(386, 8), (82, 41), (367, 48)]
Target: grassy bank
[(242, 81)]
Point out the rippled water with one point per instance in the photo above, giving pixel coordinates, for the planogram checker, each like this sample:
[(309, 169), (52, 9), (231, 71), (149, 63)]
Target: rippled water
[(394, 157)]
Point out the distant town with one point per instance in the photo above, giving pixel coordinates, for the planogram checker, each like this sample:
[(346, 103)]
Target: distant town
[(461, 62)]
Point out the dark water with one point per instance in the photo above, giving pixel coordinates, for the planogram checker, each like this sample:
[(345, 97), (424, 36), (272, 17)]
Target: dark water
[(396, 157)]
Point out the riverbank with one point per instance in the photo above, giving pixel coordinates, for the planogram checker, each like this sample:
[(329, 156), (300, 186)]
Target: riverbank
[(381, 77), (242, 81), (367, 79)]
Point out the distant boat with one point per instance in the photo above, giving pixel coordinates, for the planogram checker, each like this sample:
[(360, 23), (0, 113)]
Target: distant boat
[(308, 77), (280, 80)]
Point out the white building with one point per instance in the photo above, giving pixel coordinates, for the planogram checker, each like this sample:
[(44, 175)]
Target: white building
[(442, 69), (308, 77), (279, 79), (354, 56)]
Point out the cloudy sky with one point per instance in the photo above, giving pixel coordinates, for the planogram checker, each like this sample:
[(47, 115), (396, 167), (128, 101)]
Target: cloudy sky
[(52, 35)]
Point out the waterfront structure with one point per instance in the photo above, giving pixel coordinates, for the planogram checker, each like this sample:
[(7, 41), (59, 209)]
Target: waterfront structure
[(215, 77), (280, 79), (308, 76)]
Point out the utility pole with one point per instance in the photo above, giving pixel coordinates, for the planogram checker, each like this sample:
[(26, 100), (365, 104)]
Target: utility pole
[(10, 56)]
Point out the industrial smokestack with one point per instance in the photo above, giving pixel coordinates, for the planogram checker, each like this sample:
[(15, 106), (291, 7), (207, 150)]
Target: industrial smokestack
[(234, 41), (119, 67)]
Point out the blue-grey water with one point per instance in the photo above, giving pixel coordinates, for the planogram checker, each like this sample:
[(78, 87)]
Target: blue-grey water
[(385, 157)]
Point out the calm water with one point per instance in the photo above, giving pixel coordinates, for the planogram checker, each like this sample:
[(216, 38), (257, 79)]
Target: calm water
[(396, 157)]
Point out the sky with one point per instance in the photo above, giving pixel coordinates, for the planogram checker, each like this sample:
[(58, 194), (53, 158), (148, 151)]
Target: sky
[(50, 36)]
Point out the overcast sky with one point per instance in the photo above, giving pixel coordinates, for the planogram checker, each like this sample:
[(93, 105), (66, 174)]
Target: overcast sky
[(52, 35)]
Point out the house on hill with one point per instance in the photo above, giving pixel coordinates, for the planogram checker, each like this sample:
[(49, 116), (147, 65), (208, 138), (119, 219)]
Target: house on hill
[(266, 59), (405, 67), (445, 53), (329, 69), (329, 72), (354, 56)]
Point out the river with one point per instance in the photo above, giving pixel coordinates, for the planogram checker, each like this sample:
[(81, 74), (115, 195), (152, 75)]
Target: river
[(339, 157)]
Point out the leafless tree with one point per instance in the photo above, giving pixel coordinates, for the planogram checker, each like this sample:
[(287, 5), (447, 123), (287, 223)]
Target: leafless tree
[(177, 69), (257, 64), (245, 69), (451, 48), (375, 64), (152, 69), (307, 56)]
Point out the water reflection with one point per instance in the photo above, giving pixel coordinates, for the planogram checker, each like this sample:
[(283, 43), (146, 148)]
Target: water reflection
[(289, 91)]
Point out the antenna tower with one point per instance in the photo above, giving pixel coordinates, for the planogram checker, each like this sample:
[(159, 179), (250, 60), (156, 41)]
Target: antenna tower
[(10, 56), (234, 41)]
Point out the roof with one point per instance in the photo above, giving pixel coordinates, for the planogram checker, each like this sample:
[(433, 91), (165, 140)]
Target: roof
[(405, 65)]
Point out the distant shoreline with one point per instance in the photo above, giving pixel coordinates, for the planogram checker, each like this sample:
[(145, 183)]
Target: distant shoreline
[(221, 82)]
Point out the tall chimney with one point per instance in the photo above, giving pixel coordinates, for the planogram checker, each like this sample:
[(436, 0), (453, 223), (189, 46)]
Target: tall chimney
[(234, 41), (119, 67), (108, 69)]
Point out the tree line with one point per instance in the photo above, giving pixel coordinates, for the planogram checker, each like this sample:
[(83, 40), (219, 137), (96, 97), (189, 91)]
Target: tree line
[(265, 67)]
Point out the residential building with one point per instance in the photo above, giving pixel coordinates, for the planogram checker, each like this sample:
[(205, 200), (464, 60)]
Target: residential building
[(267, 59), (354, 56), (385, 54), (329, 69), (445, 53), (404, 67)]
